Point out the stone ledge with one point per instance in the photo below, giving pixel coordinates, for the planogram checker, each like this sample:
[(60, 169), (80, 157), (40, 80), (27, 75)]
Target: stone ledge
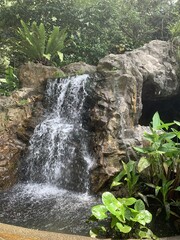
[(10, 232)]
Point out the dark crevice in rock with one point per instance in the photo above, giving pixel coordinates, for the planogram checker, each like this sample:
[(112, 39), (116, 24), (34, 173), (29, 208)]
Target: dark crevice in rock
[(168, 109)]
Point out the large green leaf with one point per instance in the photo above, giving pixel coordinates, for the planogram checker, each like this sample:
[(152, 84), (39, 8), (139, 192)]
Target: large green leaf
[(139, 205), (109, 200), (99, 211), (127, 201), (114, 206)]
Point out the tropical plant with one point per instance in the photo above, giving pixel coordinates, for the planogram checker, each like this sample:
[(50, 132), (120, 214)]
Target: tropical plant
[(161, 157), (162, 152), (121, 217), (161, 194), (10, 81), (37, 45), (128, 177)]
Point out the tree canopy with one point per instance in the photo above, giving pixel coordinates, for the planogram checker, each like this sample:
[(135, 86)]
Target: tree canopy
[(95, 27)]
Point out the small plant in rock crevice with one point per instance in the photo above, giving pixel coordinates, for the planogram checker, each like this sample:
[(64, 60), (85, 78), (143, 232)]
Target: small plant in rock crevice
[(9, 82)]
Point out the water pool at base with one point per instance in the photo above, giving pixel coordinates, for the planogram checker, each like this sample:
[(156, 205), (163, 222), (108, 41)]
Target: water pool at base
[(45, 207)]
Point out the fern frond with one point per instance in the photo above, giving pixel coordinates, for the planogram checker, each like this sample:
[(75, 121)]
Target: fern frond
[(56, 41), (33, 42)]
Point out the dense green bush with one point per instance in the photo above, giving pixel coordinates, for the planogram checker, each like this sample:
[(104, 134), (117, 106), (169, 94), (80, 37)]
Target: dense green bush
[(97, 27)]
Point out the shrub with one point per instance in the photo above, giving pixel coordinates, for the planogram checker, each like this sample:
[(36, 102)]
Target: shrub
[(37, 45), (10, 81), (160, 159)]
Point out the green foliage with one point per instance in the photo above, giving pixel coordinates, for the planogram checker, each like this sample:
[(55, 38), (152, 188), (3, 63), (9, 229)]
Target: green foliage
[(175, 29), (97, 27), (160, 164), (9, 83), (161, 161), (128, 177), (127, 218), (162, 152), (37, 45)]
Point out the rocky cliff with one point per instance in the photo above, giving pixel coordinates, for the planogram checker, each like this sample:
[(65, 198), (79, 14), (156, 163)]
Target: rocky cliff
[(131, 84), (125, 91)]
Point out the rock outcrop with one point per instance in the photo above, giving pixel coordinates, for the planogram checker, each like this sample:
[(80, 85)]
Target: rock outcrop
[(35, 76), (120, 90), (19, 115), (150, 73)]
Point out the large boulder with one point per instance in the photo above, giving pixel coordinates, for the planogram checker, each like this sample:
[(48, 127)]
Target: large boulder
[(78, 68), (35, 76), (149, 72)]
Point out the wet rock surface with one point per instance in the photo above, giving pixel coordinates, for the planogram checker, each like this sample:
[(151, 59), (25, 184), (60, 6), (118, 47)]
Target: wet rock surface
[(19, 115)]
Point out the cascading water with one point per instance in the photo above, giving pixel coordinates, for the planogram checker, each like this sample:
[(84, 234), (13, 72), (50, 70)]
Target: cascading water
[(58, 152), (54, 192)]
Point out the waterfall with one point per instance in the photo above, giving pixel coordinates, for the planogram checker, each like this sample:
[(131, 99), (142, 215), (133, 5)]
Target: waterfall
[(58, 152), (53, 194)]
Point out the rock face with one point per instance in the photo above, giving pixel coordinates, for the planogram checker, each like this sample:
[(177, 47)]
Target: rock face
[(78, 68), (147, 73), (35, 76), (122, 88), (19, 115)]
